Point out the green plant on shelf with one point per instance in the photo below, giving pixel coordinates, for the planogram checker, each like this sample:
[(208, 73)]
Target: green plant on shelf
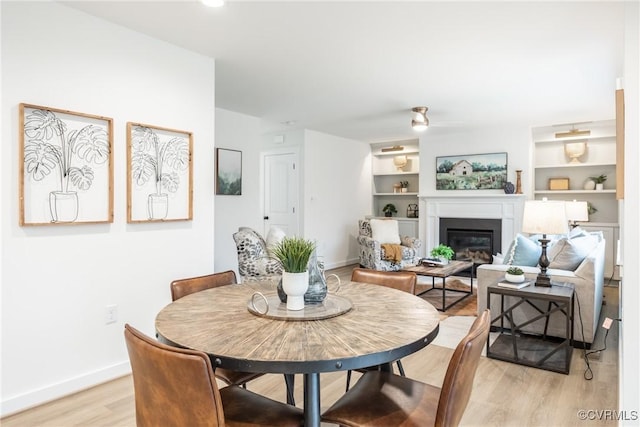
[(598, 179), (389, 209)]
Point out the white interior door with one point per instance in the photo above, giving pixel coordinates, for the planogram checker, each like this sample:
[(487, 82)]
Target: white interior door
[(281, 192)]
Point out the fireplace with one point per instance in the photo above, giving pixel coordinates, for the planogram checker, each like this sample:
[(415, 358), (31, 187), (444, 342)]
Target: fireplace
[(477, 205), (476, 239)]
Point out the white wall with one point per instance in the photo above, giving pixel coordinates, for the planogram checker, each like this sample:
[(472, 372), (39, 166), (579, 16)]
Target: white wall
[(335, 187), (57, 280), (337, 192), (514, 140), (630, 232), (237, 132)]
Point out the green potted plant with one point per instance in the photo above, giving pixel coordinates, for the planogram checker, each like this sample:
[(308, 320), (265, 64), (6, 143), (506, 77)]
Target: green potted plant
[(389, 209), (514, 275), (404, 185), (599, 180), (443, 252), (294, 253)]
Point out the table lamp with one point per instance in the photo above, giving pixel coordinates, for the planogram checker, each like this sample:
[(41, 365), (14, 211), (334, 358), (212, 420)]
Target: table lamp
[(544, 217), (577, 211)]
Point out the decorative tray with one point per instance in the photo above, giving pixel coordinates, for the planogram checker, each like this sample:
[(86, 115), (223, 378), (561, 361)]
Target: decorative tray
[(270, 307)]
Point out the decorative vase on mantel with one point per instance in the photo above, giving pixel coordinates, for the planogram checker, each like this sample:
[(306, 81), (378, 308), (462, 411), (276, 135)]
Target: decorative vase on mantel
[(518, 181)]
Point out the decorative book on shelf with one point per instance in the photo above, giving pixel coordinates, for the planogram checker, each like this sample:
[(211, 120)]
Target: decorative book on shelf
[(514, 285)]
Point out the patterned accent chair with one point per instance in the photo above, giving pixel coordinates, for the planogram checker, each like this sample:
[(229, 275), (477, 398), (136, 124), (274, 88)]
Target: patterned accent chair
[(373, 256), (254, 262)]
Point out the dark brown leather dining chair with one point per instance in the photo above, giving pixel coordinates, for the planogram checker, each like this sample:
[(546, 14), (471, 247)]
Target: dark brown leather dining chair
[(401, 280), (177, 387), (382, 398), (184, 287)]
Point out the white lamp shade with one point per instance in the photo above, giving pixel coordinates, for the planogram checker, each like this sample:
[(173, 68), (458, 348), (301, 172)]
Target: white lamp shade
[(577, 211), (545, 217)]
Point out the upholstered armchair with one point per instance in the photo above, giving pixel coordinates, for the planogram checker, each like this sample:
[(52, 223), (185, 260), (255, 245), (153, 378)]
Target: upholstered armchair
[(372, 253), (254, 262)]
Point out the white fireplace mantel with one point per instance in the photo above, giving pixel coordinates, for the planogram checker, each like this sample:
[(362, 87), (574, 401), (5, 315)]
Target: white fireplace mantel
[(507, 207)]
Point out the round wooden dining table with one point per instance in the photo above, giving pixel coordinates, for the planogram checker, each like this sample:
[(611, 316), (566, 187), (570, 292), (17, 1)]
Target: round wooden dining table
[(380, 326)]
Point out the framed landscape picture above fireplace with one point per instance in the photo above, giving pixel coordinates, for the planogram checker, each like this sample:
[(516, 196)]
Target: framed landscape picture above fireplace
[(471, 172)]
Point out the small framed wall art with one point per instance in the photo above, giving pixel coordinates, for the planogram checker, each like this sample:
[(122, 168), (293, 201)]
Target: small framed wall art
[(228, 172), (159, 174), (66, 167)]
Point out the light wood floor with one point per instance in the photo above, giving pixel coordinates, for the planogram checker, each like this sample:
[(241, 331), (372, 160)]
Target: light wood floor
[(504, 394)]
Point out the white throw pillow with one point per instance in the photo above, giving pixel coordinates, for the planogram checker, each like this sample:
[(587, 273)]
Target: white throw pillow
[(498, 258), (385, 231), (274, 238), (567, 254)]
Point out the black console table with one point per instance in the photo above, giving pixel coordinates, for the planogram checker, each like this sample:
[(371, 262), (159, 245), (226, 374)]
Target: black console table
[(539, 351)]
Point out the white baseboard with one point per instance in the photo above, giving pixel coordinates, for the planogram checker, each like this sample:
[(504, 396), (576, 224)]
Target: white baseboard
[(338, 264), (51, 392)]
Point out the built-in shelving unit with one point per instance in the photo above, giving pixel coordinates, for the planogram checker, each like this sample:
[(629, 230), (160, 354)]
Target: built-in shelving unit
[(386, 175), (550, 161)]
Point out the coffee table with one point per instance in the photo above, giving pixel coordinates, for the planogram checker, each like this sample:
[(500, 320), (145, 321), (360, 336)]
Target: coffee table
[(444, 271)]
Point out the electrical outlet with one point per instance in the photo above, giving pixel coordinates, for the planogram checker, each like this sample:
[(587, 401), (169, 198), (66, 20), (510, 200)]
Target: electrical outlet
[(110, 314), (607, 323)]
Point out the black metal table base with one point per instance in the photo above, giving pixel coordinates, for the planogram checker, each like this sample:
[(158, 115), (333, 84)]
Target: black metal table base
[(444, 289)]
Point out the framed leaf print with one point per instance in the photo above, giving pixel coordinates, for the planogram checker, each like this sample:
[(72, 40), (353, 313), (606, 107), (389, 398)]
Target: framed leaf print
[(159, 174), (66, 167)]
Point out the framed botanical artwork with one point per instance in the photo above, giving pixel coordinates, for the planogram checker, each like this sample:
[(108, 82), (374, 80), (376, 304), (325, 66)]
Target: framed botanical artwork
[(66, 167), (228, 172), (159, 174), (471, 172)]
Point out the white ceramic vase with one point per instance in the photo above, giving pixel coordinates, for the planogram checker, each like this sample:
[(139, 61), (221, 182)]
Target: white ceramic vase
[(589, 185), (599, 186), (514, 278), (295, 285)]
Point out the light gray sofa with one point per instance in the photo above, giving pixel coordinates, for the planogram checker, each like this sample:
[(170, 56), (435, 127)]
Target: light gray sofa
[(588, 279)]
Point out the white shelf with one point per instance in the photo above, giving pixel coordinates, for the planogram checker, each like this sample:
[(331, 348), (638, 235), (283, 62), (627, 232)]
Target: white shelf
[(395, 174), (396, 194), (397, 153), (399, 218), (576, 138), (575, 165), (574, 191)]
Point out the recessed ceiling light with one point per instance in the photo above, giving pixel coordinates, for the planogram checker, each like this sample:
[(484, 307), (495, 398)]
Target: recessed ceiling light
[(213, 3)]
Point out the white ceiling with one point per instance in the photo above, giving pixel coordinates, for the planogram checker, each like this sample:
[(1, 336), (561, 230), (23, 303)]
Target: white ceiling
[(355, 69)]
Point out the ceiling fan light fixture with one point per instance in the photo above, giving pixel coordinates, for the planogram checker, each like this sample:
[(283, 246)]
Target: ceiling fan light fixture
[(420, 122)]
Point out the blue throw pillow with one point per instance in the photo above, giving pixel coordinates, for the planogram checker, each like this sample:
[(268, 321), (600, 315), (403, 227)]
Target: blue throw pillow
[(523, 252)]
